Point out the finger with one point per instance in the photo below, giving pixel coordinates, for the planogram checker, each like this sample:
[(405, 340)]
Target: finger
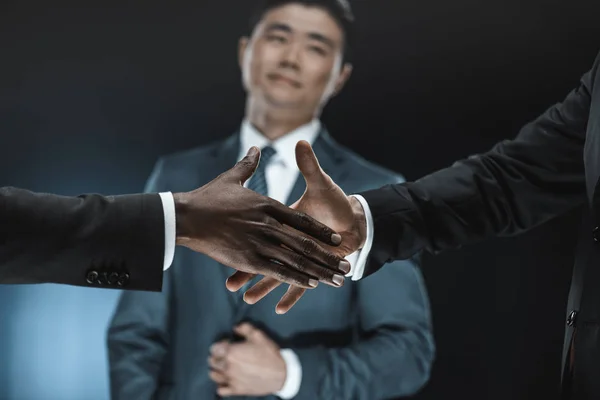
[(305, 223), (260, 289), (219, 349), (298, 262), (237, 280), (307, 247), (289, 299), (308, 164), (226, 391), (218, 377), (218, 364), (270, 266), (245, 168), (245, 330)]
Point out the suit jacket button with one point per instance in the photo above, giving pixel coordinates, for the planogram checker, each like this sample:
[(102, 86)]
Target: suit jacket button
[(572, 318), (92, 277), (113, 278), (123, 279), (596, 234)]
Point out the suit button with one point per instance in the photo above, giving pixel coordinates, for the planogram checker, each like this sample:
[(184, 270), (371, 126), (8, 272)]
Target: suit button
[(101, 278), (113, 278), (572, 318), (123, 279), (596, 234), (92, 277)]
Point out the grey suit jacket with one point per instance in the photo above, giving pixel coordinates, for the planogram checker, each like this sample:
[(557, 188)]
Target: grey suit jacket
[(368, 340)]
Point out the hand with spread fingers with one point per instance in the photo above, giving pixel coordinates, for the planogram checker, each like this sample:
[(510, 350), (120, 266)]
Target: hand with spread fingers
[(325, 201), (252, 233)]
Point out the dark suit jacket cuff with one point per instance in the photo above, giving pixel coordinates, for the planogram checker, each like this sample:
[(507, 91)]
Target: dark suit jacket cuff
[(392, 209), (142, 239)]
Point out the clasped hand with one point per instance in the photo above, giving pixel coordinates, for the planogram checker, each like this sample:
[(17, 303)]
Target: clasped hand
[(299, 245), (325, 201), (253, 367)]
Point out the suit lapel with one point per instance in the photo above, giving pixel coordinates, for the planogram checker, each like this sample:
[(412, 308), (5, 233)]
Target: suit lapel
[(225, 155)]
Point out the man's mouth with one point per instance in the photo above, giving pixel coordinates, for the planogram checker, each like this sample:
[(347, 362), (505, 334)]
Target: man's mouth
[(284, 79)]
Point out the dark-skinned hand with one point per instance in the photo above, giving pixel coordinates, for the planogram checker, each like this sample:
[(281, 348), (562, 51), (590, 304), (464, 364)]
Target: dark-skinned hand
[(255, 234)]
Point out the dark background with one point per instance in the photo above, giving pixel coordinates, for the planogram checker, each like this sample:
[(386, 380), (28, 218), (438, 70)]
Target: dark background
[(92, 92)]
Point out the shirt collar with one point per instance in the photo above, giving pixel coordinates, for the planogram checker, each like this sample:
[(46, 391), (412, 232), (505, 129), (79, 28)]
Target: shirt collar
[(285, 146)]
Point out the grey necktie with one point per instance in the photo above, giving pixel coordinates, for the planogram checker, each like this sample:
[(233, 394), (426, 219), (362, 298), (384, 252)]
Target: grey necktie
[(258, 182)]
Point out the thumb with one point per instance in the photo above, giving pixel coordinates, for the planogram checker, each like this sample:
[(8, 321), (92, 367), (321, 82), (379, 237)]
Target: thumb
[(248, 332), (245, 168), (309, 166)]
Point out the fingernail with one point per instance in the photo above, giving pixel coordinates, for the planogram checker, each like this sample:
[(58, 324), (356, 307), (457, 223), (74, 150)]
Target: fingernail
[(336, 238), (344, 266), (338, 279), (253, 151), (248, 300), (313, 283)]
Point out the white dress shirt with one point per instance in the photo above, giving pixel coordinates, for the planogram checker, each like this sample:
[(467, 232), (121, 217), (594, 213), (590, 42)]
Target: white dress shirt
[(281, 175)]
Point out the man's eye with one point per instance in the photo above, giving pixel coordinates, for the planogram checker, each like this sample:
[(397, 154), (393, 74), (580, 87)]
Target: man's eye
[(276, 38)]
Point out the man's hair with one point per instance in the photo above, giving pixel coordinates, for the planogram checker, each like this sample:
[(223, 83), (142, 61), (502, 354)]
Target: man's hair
[(339, 10)]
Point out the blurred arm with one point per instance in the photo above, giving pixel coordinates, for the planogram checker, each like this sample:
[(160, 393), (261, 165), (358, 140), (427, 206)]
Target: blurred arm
[(516, 186), (89, 240)]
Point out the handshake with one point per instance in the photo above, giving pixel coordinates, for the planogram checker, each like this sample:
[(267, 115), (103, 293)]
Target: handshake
[(299, 245)]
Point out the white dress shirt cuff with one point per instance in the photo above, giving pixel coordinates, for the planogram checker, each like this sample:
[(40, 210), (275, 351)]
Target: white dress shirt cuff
[(357, 271), (168, 203), (293, 377)]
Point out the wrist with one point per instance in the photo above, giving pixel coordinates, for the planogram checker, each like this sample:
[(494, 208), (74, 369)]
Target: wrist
[(281, 374), (182, 207), (360, 221), (292, 376)]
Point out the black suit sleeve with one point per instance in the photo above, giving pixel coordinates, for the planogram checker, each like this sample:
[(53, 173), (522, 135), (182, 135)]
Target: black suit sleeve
[(516, 186), (89, 240)]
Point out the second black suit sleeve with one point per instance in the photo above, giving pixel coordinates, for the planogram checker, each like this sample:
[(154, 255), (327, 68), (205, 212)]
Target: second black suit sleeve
[(516, 186), (89, 240)]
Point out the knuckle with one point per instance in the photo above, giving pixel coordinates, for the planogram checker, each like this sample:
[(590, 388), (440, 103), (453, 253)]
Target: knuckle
[(299, 262), (269, 221), (245, 162), (263, 229), (308, 246), (267, 205), (255, 334), (326, 273), (262, 206), (280, 272), (331, 259), (325, 232), (304, 218)]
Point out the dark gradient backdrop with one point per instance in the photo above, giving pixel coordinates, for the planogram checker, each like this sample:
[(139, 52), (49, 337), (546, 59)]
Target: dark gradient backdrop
[(92, 92)]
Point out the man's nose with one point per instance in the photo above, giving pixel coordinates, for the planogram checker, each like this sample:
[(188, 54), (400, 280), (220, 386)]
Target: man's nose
[(291, 57)]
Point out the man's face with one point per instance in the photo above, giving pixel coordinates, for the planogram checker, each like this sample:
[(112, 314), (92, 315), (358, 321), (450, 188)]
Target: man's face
[(294, 58)]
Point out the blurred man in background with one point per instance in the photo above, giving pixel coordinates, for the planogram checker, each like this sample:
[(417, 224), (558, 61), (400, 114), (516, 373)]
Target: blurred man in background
[(366, 340)]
